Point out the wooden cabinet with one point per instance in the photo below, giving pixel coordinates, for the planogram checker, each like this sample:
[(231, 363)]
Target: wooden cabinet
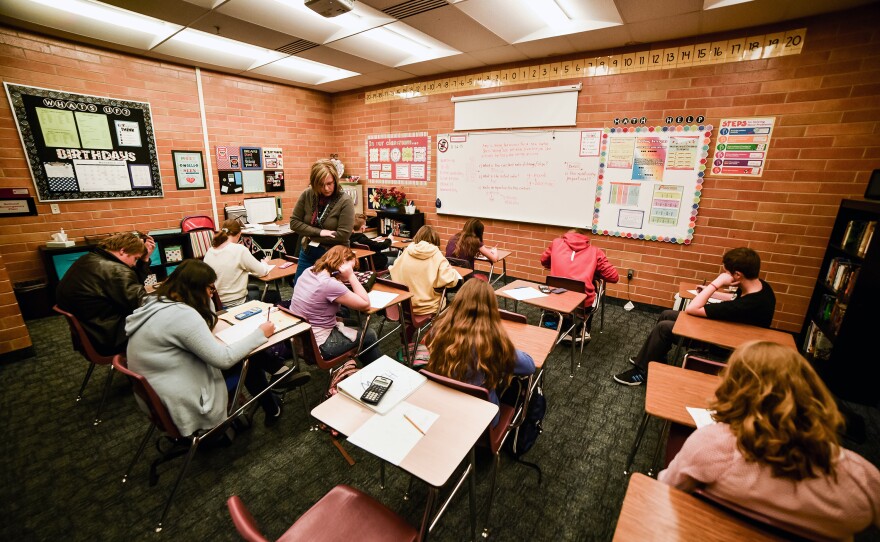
[(400, 224), (837, 335)]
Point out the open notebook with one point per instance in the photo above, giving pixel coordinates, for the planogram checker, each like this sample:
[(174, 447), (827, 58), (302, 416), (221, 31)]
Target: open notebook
[(405, 381), (242, 328)]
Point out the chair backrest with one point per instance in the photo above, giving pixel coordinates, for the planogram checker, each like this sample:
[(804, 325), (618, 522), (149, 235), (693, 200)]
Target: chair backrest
[(393, 312), (197, 222), (562, 282), (312, 352), (459, 262), (243, 520), (201, 241), (81, 341), (599, 288), (776, 526), (513, 316), (159, 415), (470, 389)]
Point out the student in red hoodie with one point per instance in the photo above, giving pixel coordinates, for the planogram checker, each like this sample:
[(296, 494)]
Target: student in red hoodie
[(572, 256)]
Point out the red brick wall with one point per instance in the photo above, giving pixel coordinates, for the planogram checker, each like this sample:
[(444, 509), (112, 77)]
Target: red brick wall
[(238, 110), (826, 143)]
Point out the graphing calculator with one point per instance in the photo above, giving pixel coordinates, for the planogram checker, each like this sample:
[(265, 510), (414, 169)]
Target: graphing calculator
[(377, 389), (544, 289), (248, 314)]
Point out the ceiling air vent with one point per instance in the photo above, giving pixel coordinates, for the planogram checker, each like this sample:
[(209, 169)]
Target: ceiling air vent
[(297, 46), (414, 7)]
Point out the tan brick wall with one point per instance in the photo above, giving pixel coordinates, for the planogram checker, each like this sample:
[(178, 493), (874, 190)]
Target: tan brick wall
[(827, 141)]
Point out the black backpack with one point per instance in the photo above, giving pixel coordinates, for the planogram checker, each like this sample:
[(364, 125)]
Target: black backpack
[(524, 437)]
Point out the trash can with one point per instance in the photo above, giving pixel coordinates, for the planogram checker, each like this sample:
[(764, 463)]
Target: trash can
[(33, 299)]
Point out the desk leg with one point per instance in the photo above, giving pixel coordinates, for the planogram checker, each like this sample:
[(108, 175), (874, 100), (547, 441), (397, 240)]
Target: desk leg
[(426, 519), (381, 474), (265, 289), (491, 269), (664, 433), (234, 404), (473, 493), (677, 351), (627, 470)]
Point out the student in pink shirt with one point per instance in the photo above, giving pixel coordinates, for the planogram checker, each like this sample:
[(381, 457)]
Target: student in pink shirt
[(775, 447)]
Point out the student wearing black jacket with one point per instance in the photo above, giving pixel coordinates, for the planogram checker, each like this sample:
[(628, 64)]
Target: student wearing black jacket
[(357, 236)]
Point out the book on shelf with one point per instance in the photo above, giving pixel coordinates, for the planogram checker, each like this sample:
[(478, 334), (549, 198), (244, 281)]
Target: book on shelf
[(816, 344), (865, 241), (837, 316), (826, 306), (857, 236)]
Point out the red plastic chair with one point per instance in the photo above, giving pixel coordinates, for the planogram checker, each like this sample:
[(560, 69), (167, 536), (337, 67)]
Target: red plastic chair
[(201, 233), (83, 345), (342, 514)]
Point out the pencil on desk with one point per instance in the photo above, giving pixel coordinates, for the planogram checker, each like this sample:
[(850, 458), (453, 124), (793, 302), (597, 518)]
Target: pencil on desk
[(419, 429)]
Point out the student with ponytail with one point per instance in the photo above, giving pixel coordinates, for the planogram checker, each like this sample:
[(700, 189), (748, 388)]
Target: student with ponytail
[(233, 263)]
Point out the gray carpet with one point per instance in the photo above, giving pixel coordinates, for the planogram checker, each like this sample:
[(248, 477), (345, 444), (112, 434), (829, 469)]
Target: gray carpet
[(62, 476)]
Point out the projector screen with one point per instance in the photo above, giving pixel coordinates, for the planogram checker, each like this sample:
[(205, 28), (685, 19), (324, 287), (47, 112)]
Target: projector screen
[(261, 210)]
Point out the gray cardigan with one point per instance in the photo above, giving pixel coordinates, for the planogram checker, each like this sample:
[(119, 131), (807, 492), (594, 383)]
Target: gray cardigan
[(339, 218), (170, 345)]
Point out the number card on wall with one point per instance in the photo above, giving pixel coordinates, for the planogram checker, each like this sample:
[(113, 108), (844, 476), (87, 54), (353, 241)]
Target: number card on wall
[(399, 159), (650, 182), (81, 147)]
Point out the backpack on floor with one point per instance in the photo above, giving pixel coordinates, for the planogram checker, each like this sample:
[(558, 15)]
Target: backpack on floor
[(525, 436)]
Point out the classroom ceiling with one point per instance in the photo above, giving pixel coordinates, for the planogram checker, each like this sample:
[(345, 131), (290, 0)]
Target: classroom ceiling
[(386, 41)]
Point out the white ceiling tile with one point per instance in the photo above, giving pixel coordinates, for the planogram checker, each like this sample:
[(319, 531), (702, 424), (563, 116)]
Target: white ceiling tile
[(499, 55), (236, 29), (451, 26), (605, 38), (665, 29), (555, 46), (175, 11), (632, 11), (333, 57)]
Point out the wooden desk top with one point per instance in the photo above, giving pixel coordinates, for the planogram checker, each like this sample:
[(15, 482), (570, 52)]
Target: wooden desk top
[(463, 271), (565, 303), (685, 287), (362, 252), (533, 340), (278, 273), (400, 245), (671, 389), (500, 255), (437, 455), (279, 336), (727, 334), (654, 511), (401, 296)]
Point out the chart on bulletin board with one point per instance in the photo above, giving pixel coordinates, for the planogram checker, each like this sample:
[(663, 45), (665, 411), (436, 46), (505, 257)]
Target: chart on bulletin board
[(650, 182)]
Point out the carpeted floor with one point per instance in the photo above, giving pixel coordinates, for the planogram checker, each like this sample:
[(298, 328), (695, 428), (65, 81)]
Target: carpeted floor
[(62, 476)]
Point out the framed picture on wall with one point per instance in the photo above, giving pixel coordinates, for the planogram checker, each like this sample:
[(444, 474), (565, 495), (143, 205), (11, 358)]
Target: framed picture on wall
[(189, 170)]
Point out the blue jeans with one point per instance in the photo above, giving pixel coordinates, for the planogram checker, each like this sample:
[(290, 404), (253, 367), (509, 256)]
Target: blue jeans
[(308, 255)]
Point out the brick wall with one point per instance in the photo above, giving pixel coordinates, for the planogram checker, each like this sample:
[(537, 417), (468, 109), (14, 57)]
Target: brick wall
[(827, 141)]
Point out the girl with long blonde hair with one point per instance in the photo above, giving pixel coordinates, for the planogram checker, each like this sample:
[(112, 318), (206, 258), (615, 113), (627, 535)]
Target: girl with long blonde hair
[(468, 343), (775, 448)]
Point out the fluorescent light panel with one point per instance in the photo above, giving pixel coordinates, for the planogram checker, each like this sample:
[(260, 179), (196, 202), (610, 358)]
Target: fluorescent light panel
[(712, 4), (304, 71), (113, 16), (203, 40), (550, 12)]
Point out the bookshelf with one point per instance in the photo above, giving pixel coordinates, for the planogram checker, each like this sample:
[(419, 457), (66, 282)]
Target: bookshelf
[(400, 224), (837, 332)]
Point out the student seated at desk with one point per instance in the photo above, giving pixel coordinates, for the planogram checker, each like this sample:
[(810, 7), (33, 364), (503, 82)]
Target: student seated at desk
[(469, 344), (468, 243), (106, 285), (233, 262), (775, 447), (572, 256), (321, 292), (423, 269), (380, 260), (170, 343), (753, 303)]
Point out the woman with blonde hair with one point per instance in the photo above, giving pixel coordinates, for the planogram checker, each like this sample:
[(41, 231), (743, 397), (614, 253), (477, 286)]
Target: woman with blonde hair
[(468, 343), (323, 216), (775, 447), (233, 262), (319, 294)]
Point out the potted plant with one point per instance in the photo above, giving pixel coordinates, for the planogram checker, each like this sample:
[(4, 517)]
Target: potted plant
[(389, 199)]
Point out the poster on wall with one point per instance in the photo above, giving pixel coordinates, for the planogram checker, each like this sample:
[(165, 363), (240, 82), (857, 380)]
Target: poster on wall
[(650, 182), (273, 158), (742, 146), (274, 181), (188, 169), (228, 158), (399, 159), (86, 147), (251, 158), (231, 182)]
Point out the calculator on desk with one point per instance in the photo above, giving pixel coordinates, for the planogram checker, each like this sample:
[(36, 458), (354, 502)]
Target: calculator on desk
[(373, 394)]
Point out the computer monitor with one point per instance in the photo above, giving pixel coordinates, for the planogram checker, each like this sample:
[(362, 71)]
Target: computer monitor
[(261, 210)]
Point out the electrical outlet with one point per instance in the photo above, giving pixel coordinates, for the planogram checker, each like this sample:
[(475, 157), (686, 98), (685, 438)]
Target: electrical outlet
[(630, 273), (55, 209)]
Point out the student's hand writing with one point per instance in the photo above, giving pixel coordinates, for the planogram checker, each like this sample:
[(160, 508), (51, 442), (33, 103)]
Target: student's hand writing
[(328, 233), (268, 329)]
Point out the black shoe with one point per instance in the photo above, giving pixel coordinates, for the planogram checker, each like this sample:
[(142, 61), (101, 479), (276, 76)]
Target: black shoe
[(631, 377), (288, 383), (271, 420), (633, 362)]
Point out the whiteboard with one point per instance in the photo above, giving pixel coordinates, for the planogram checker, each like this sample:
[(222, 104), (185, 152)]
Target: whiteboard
[(540, 177), (514, 110)]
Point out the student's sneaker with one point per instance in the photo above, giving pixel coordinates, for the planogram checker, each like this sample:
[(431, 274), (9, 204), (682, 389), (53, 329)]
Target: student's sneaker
[(632, 362), (289, 383), (271, 420), (577, 338), (631, 377)]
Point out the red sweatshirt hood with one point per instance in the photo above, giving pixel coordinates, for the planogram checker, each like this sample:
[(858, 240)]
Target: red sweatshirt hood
[(576, 241)]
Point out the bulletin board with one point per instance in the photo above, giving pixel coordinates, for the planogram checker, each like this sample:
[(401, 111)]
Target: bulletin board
[(650, 182), (399, 159), (82, 147)]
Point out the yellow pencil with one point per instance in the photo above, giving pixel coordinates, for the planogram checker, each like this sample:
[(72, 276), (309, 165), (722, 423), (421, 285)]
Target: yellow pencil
[(413, 424)]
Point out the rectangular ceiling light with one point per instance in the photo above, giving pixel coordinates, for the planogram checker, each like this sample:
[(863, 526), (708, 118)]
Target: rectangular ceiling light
[(301, 70), (712, 4), (212, 49), (550, 12)]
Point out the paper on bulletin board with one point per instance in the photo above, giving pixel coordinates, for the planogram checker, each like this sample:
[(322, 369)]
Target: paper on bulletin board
[(742, 146), (399, 159)]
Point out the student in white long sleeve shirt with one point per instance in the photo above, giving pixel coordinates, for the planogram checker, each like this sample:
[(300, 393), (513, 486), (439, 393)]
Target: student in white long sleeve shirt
[(233, 263)]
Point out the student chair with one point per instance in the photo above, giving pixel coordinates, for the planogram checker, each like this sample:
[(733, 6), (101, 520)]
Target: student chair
[(411, 324), (787, 531), (83, 345), (513, 316), (161, 418), (344, 513), (311, 352), (697, 361), (201, 233), (510, 418)]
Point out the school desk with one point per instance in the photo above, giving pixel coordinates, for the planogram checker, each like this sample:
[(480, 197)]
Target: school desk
[(401, 296), (565, 303), (727, 335), (654, 511), (670, 390), (276, 274), (686, 287), (501, 256), (437, 455)]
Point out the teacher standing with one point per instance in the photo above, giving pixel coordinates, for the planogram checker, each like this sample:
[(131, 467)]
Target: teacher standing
[(323, 216)]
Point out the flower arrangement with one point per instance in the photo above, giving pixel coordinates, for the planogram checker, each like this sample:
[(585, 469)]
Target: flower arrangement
[(389, 197)]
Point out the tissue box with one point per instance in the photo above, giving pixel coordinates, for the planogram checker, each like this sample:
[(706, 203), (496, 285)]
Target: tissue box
[(60, 244)]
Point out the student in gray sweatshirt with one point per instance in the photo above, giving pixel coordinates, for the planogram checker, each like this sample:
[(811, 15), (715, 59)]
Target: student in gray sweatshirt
[(171, 345)]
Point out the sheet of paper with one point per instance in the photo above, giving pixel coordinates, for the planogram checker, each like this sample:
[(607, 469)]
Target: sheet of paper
[(521, 294), (241, 329), (94, 132), (423, 419), (711, 299), (378, 300), (391, 436), (702, 416)]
